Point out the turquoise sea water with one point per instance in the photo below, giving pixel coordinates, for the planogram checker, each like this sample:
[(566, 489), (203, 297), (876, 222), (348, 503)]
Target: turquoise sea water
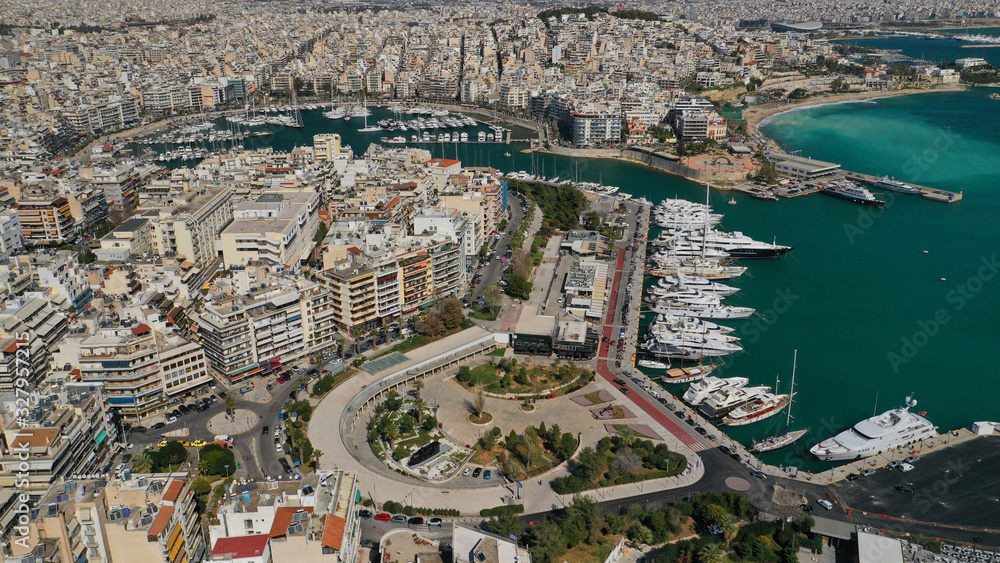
[(932, 50), (857, 287)]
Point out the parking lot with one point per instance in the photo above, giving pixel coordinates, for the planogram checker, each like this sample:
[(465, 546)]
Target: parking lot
[(949, 485)]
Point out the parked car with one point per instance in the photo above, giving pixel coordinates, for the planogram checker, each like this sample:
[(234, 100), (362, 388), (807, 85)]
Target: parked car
[(487, 474), (399, 519), (905, 488), (624, 390), (904, 467), (434, 522), (383, 517), (824, 503), (466, 472), (369, 544), (701, 431), (912, 459), (139, 429), (867, 473), (246, 389), (158, 426), (759, 475), (285, 465), (184, 409), (265, 430), (171, 419), (476, 472), (365, 513), (415, 521)]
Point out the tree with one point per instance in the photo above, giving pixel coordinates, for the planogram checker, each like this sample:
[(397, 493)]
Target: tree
[(432, 326), (712, 514), (711, 553), (451, 313), (479, 403), (419, 405), (230, 404), (519, 287), (492, 296), (321, 232), (173, 453), (142, 463), (417, 386), (201, 485), (464, 374), (505, 524), (591, 221), (591, 465), (215, 458), (388, 429), (626, 461)]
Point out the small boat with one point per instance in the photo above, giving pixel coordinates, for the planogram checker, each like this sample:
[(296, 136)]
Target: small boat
[(995, 96), (763, 195), (652, 364), (732, 201), (687, 375), (506, 154)]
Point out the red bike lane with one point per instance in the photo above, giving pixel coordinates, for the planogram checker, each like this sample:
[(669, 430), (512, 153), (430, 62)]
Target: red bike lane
[(604, 359)]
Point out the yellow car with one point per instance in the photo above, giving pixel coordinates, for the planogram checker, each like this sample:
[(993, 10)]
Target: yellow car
[(185, 443), (199, 443), (163, 443)]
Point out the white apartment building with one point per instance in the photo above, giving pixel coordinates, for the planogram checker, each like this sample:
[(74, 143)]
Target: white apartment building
[(277, 228), (141, 369), (60, 271), (597, 126), (188, 226), (11, 238), (260, 321), (111, 114), (460, 226), (132, 238)]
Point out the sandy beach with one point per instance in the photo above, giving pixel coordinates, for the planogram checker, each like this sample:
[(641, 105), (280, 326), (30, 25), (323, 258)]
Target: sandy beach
[(755, 115)]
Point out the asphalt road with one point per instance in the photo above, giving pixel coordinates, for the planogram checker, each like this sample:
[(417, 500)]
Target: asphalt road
[(956, 485), (493, 271), (257, 451)]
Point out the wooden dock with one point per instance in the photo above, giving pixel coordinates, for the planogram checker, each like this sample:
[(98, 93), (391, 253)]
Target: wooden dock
[(925, 192)]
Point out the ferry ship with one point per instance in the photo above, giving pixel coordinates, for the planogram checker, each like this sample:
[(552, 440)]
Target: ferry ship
[(878, 434), (887, 183), (853, 193)]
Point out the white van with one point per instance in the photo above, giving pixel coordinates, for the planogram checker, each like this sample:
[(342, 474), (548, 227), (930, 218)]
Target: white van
[(223, 438)]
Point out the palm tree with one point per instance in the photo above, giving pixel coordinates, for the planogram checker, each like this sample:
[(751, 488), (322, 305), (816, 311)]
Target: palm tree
[(142, 463), (417, 386), (712, 553), (230, 404), (729, 528), (419, 405)]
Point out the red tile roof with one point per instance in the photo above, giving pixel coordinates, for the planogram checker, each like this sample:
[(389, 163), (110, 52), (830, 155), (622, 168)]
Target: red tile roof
[(283, 517), (333, 532), (173, 491), (241, 547), (140, 328), (160, 524)]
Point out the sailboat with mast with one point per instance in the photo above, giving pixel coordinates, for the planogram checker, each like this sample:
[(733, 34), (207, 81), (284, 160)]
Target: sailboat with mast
[(786, 437), (337, 110), (365, 112)]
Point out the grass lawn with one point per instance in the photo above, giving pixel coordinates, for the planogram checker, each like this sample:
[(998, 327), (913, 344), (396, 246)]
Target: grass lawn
[(595, 398), (625, 428), (497, 352), (414, 442), (484, 375), (419, 340), (486, 314), (591, 553), (539, 379), (540, 460)]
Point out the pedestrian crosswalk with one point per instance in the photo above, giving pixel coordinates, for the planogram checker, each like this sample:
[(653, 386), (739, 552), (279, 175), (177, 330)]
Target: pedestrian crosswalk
[(696, 446)]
